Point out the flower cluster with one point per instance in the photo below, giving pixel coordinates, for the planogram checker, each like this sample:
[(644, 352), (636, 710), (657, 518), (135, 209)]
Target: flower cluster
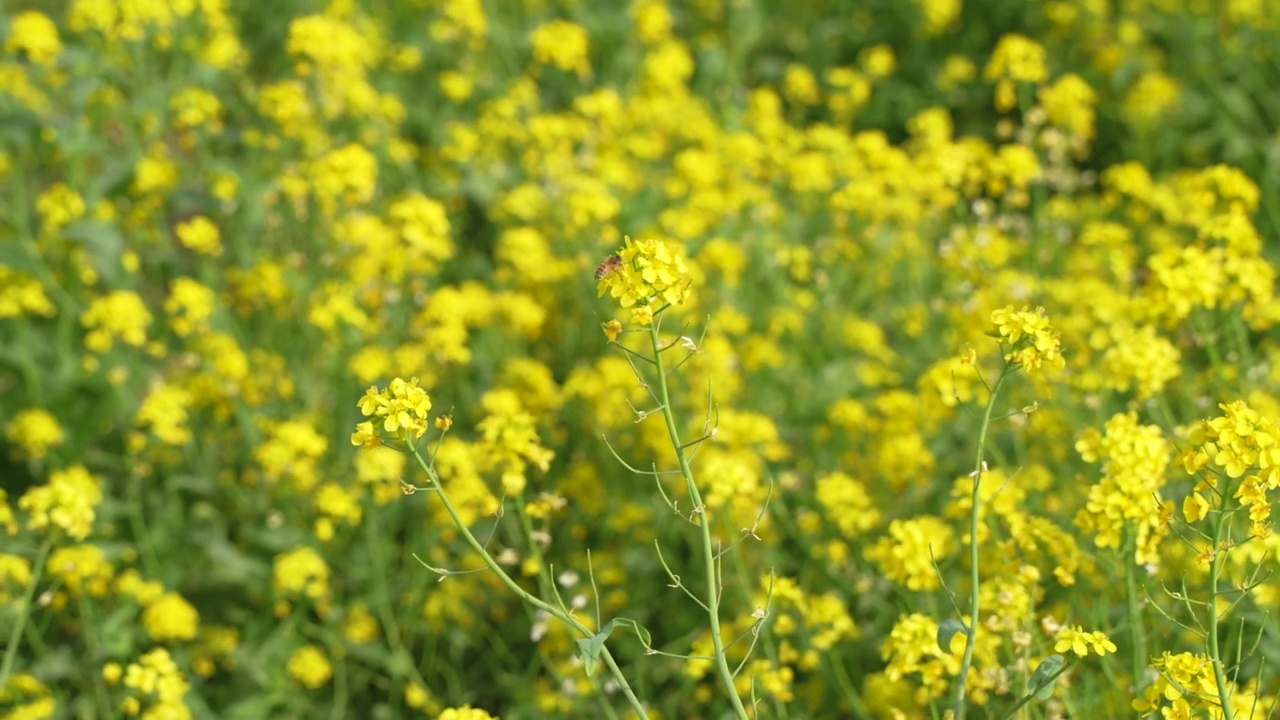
[(402, 408), (649, 273), (1135, 458), (1186, 688), (35, 431), (1240, 440), (1081, 643), (66, 502), (157, 684), (1031, 340)]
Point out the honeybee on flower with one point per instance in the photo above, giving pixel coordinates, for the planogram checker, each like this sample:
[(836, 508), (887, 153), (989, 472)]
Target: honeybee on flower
[(611, 263), (648, 273)]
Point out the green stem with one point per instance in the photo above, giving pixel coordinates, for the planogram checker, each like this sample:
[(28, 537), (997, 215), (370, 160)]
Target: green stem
[(15, 635), (708, 553), (976, 503), (1136, 635), (523, 594), (1215, 567)]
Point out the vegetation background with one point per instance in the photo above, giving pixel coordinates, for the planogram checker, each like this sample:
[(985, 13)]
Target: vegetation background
[(224, 220)]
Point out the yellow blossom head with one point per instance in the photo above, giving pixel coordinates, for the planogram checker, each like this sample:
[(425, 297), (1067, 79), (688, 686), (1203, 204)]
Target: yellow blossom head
[(1030, 340), (651, 273)]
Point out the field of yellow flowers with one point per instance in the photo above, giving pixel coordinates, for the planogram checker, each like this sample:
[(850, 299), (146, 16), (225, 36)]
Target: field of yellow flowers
[(469, 359)]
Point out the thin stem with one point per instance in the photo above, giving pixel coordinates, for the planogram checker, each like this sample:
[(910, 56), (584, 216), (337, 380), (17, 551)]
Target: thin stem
[(523, 594), (1136, 635), (15, 635), (1215, 567), (975, 506), (708, 553)]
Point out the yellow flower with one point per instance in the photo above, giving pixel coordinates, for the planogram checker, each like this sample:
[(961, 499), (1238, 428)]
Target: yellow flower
[(164, 412), (34, 431), (1151, 99), (562, 44), (58, 206), (800, 86), (20, 294), (118, 315), (67, 502), (156, 674), (1019, 58), (200, 235), (1031, 341), (652, 20), (403, 409), (651, 272), (1079, 642), (359, 626), (300, 573), (35, 35), (877, 61), (189, 306), (309, 666), (15, 572), (83, 568), (170, 617)]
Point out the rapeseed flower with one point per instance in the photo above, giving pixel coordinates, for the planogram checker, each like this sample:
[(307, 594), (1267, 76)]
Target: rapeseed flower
[(21, 294), (907, 552), (34, 35), (309, 666), (401, 410), (1135, 459), (1082, 643), (156, 679), (562, 44), (119, 315), (67, 502), (510, 441), (301, 573), (1151, 99), (189, 306), (291, 451), (83, 569), (1186, 688), (169, 618), (15, 574), (650, 273), (1241, 440), (59, 206), (1031, 341), (34, 432), (25, 697), (199, 235)]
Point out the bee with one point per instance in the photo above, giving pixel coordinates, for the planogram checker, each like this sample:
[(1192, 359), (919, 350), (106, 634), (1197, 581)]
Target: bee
[(611, 263)]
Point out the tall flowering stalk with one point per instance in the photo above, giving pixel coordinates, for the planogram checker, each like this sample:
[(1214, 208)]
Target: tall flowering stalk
[(1236, 457), (1028, 343), (401, 414), (649, 277)]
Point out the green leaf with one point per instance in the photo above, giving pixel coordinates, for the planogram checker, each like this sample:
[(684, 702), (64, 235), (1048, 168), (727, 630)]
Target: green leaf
[(588, 649), (947, 630), (1046, 674)]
